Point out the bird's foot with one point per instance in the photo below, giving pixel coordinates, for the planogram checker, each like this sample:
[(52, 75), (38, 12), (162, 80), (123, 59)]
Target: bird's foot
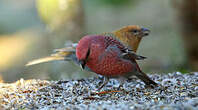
[(121, 87), (105, 81)]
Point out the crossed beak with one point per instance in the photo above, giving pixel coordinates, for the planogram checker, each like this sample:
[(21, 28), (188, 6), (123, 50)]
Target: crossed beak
[(145, 31), (82, 63)]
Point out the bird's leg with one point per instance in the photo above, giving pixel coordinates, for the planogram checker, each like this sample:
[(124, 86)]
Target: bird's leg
[(105, 81), (121, 80)]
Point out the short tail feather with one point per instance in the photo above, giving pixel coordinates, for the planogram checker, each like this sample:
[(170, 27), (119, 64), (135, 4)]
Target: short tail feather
[(141, 75)]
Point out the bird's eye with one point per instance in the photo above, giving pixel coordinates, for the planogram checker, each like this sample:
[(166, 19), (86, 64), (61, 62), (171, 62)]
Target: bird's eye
[(134, 31)]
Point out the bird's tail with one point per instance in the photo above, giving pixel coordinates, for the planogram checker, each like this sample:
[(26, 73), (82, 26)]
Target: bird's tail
[(43, 60), (141, 75), (66, 53)]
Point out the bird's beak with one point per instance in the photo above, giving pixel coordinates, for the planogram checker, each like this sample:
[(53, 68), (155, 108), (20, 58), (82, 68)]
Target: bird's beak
[(145, 31), (82, 63)]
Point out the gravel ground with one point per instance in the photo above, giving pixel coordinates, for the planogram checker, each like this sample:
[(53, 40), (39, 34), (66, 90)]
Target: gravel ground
[(178, 91)]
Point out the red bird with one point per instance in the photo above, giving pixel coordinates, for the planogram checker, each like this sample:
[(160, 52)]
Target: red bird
[(107, 56)]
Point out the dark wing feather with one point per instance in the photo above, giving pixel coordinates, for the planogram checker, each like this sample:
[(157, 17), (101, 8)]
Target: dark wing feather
[(128, 54)]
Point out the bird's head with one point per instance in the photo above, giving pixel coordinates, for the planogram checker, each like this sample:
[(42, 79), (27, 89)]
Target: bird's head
[(131, 35)]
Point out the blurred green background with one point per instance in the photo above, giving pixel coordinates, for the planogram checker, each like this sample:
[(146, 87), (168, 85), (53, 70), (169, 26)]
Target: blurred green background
[(31, 29)]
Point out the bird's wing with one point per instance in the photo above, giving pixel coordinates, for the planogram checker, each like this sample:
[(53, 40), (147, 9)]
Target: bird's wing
[(128, 54)]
